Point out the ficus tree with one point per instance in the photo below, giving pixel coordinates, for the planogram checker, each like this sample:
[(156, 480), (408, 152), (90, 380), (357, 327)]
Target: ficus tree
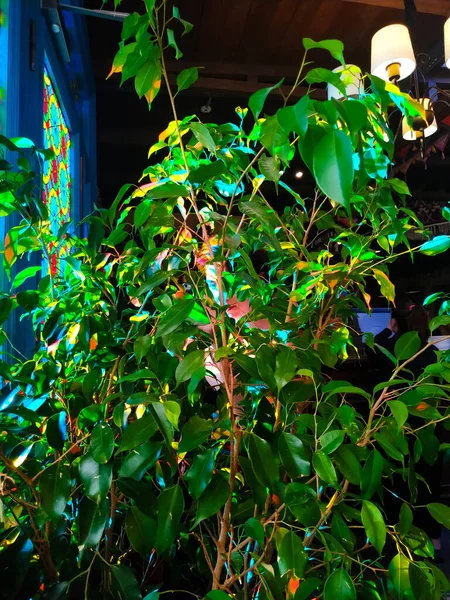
[(178, 428)]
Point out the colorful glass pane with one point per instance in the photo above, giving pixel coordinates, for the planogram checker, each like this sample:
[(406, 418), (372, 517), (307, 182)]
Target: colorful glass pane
[(56, 192)]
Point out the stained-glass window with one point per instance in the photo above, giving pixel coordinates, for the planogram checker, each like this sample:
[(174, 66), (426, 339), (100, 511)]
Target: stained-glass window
[(56, 192)]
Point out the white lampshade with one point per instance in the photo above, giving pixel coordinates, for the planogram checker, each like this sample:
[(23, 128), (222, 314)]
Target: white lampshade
[(447, 42), (351, 76), (410, 134), (392, 46)]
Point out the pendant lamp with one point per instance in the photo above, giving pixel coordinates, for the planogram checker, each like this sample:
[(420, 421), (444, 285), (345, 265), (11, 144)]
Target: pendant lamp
[(420, 127), (392, 53)]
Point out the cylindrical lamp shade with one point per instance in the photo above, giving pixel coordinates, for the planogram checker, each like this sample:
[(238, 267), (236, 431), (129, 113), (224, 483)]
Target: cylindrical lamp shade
[(392, 53), (411, 134), (351, 77), (447, 43)]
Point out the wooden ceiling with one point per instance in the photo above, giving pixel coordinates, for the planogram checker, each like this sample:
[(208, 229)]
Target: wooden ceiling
[(245, 45)]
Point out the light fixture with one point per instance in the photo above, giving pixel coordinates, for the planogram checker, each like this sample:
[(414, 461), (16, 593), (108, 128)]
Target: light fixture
[(392, 53), (447, 43), (420, 127), (299, 174), (351, 77)]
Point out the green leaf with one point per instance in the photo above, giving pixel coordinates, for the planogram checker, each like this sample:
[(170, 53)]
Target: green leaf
[(194, 433), (24, 275), (295, 118), (406, 519), (341, 532), (174, 317), (203, 136), (124, 585), (293, 455), (334, 47), (270, 167), (348, 464), (400, 412), (339, 586), (22, 143), (186, 78), (302, 502), (173, 44), (439, 244), (399, 578), (137, 375), (333, 166), (440, 512), (191, 364), (420, 583), (27, 299), (292, 556), (141, 530), (164, 425), (407, 345), (170, 510), (212, 499), (257, 100), (217, 595), (6, 305), (148, 79), (92, 519), (324, 468), (374, 525), (386, 286), (254, 529), (264, 462), (331, 440), (285, 367), (102, 443), (138, 432), (95, 477), (372, 474), (55, 485), (200, 473), (57, 430), (140, 460)]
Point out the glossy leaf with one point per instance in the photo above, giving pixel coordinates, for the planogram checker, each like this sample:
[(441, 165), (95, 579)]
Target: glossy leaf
[(174, 317), (339, 585), (254, 529), (292, 556), (141, 530), (192, 363), (374, 525), (138, 432), (331, 440), (194, 433), (372, 474), (139, 460), (400, 412), (293, 455), (285, 367), (200, 473), (440, 512), (101, 443), (333, 166), (264, 463), (324, 468), (96, 478), (186, 78), (92, 520), (407, 345), (212, 499), (124, 585), (257, 100), (170, 509), (55, 485), (405, 520), (399, 578), (439, 244), (203, 136)]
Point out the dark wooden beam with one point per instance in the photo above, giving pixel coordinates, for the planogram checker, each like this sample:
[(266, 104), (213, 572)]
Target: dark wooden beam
[(432, 7)]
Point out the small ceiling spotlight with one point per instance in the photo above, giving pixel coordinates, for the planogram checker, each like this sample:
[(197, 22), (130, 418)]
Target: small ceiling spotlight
[(299, 174), (206, 108), (56, 28)]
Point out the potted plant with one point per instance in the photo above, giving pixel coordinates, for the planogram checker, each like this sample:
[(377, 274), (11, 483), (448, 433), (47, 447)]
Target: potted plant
[(176, 431)]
